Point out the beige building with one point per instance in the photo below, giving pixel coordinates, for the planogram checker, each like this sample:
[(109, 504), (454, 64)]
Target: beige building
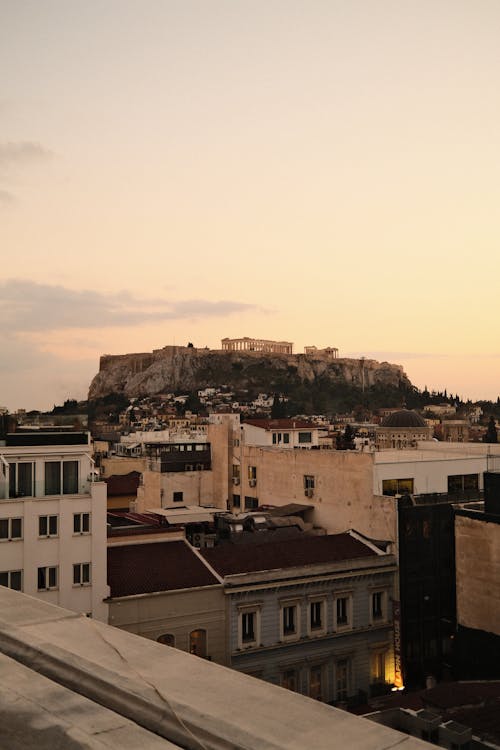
[(163, 590), (402, 429)]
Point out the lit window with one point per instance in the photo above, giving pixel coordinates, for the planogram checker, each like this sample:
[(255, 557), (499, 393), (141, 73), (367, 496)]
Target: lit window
[(289, 679), (198, 643)]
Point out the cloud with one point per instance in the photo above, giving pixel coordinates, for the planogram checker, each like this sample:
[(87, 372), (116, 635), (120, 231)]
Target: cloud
[(6, 197), (20, 152), (29, 307)]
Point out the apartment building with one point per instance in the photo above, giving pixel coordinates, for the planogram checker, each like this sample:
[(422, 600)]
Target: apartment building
[(53, 520)]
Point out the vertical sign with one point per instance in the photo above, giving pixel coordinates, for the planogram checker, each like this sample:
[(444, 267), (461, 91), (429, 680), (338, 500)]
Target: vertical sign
[(398, 668)]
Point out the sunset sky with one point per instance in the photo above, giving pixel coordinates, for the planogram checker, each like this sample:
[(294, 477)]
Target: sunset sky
[(321, 171)]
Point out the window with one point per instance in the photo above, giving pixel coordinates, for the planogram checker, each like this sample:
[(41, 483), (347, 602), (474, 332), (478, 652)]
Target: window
[(316, 683), (317, 617), (305, 437), (81, 523), (52, 477), (463, 484), (177, 497), (378, 608), (377, 666), (289, 679), (198, 643), (290, 620), (48, 526), (342, 612), (397, 487), (11, 529), (236, 473), (236, 501), (47, 579), (286, 437), (252, 476), (167, 639), (341, 679), (70, 477), (81, 574), (61, 474), (281, 437), (12, 579), (251, 503), (248, 625), (21, 479), (308, 485)]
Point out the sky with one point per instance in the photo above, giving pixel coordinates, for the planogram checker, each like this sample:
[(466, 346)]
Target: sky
[(318, 171)]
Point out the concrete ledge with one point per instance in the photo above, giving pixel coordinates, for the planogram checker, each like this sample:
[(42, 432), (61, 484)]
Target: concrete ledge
[(193, 703)]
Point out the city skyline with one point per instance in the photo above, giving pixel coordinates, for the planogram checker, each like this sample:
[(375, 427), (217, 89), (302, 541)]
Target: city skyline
[(322, 173)]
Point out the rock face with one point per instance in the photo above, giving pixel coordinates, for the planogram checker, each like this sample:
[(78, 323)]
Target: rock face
[(179, 368)]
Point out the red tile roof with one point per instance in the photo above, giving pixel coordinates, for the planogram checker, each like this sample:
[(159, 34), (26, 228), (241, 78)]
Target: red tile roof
[(157, 566), (315, 550)]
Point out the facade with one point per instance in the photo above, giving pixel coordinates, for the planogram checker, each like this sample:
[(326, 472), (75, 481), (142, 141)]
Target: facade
[(402, 429), (53, 520), (247, 344), (330, 352), (162, 590), (282, 433), (477, 534), (73, 683), (312, 614)]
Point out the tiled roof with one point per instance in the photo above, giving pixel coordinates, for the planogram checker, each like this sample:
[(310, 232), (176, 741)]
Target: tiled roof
[(157, 566), (316, 550), (281, 424), (123, 484)]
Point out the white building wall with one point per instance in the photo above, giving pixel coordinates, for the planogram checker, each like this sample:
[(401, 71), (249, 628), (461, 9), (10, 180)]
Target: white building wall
[(32, 552)]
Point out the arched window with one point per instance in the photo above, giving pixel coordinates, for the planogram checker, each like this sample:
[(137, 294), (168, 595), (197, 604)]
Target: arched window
[(198, 643), (167, 639)]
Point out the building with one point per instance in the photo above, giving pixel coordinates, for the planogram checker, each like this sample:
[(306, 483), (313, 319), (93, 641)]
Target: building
[(71, 682), (247, 344), (477, 535), (283, 433), (312, 614), (53, 520), (163, 590), (402, 429), (330, 352)]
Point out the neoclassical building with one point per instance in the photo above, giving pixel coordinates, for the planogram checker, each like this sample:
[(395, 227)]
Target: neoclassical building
[(402, 429)]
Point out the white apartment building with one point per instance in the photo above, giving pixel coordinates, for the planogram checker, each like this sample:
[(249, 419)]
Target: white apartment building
[(53, 520)]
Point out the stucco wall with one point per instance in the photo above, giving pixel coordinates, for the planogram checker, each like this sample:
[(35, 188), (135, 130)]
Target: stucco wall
[(478, 573)]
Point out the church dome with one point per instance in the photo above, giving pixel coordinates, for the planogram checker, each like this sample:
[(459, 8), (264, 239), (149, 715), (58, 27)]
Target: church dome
[(404, 419)]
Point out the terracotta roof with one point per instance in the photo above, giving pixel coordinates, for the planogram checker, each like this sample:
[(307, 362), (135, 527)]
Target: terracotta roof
[(123, 484), (316, 550), (157, 566), (281, 424)]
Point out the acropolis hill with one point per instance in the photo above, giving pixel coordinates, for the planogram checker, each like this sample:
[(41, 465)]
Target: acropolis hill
[(186, 368)]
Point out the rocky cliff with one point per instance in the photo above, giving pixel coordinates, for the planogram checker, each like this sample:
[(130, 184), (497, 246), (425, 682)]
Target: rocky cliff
[(177, 368)]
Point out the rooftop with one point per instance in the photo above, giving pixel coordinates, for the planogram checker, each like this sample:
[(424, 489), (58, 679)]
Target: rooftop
[(291, 553), (157, 566), (83, 684), (281, 424)]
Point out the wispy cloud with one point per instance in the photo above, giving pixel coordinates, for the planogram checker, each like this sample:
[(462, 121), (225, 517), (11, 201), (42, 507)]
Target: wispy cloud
[(21, 152), (26, 306)]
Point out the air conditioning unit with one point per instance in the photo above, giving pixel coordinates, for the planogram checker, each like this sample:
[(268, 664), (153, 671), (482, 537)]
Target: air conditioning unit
[(236, 480), (252, 482), (309, 492), (197, 540)]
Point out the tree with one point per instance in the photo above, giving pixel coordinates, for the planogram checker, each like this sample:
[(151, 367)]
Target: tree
[(491, 433), (278, 408)]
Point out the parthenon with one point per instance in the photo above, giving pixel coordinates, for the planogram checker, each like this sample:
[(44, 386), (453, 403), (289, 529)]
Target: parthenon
[(247, 344)]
